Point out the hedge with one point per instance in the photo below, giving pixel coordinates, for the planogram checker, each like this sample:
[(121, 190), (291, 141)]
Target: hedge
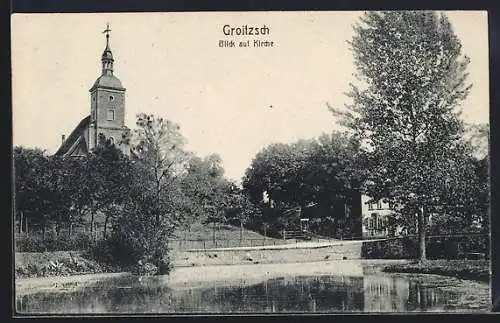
[(437, 248)]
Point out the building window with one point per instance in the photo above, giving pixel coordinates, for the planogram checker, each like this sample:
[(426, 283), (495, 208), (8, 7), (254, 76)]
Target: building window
[(111, 98), (111, 115), (370, 206), (373, 221), (111, 140), (379, 205)]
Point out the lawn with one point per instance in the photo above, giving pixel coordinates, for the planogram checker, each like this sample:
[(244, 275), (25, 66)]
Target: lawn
[(465, 269), (200, 236)]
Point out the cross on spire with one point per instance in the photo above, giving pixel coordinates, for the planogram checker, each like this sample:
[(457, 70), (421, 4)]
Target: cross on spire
[(106, 31), (107, 56)]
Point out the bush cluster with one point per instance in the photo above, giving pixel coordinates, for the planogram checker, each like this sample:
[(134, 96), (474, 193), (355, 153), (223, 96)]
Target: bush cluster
[(442, 248), (136, 244), (35, 243), (58, 268)]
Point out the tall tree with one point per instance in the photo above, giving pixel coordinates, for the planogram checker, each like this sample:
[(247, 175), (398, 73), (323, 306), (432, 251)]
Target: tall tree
[(154, 204), (405, 108), (240, 208), (30, 167), (157, 151), (205, 189), (41, 191)]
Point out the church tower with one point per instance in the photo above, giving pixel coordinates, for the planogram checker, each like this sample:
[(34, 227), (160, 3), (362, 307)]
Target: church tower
[(107, 103), (107, 113)]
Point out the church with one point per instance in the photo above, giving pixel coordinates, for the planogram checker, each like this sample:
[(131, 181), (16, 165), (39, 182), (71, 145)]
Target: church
[(107, 112)]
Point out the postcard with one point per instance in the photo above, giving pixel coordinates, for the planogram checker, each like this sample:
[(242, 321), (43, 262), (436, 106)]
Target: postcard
[(251, 162)]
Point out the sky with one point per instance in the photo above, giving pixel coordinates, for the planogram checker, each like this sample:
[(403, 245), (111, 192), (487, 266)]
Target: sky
[(230, 101)]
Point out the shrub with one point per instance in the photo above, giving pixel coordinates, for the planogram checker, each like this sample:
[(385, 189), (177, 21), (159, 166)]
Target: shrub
[(32, 243), (162, 260), (102, 251), (442, 248), (136, 244), (35, 243)]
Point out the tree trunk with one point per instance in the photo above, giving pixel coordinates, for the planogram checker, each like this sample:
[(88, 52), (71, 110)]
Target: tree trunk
[(241, 230), (105, 226), (21, 222), (92, 225), (43, 230), (421, 234), (26, 227), (213, 227), (58, 228), (70, 228)]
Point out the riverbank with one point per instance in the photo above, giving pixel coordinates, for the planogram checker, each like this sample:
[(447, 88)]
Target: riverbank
[(478, 270), (28, 286), (63, 263)]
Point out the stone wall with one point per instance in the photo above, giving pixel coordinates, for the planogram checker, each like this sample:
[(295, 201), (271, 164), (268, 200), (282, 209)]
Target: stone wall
[(231, 257)]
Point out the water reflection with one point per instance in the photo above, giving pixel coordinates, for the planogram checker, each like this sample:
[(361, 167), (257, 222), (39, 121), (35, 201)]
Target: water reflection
[(376, 293)]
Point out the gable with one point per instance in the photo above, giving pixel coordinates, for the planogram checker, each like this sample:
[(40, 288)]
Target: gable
[(76, 144)]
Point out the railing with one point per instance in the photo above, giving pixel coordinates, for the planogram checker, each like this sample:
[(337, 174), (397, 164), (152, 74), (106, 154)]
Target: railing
[(305, 235), (187, 244)]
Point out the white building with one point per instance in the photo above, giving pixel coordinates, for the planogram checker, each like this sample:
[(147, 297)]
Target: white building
[(374, 217)]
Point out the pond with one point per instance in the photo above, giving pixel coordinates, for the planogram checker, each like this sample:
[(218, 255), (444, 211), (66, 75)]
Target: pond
[(375, 292)]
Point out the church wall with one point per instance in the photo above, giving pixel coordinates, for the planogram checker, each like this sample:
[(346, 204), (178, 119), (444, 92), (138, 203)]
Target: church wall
[(104, 103)]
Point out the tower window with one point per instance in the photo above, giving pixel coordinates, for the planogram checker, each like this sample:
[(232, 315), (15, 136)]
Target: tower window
[(111, 115), (111, 98)]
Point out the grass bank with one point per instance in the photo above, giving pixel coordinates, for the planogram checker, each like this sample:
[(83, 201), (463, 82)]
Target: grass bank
[(478, 270), (57, 263)]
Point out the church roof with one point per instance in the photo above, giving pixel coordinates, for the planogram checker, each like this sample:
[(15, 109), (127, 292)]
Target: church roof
[(75, 139), (108, 81)]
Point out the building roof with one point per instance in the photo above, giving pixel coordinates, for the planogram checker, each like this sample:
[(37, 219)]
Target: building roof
[(107, 81), (75, 139)]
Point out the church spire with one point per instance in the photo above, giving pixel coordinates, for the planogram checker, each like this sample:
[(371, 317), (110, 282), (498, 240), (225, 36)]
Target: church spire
[(107, 57)]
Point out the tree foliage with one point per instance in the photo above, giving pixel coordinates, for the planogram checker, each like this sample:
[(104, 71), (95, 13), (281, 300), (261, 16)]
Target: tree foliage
[(205, 187), (159, 158), (319, 171), (406, 110)]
